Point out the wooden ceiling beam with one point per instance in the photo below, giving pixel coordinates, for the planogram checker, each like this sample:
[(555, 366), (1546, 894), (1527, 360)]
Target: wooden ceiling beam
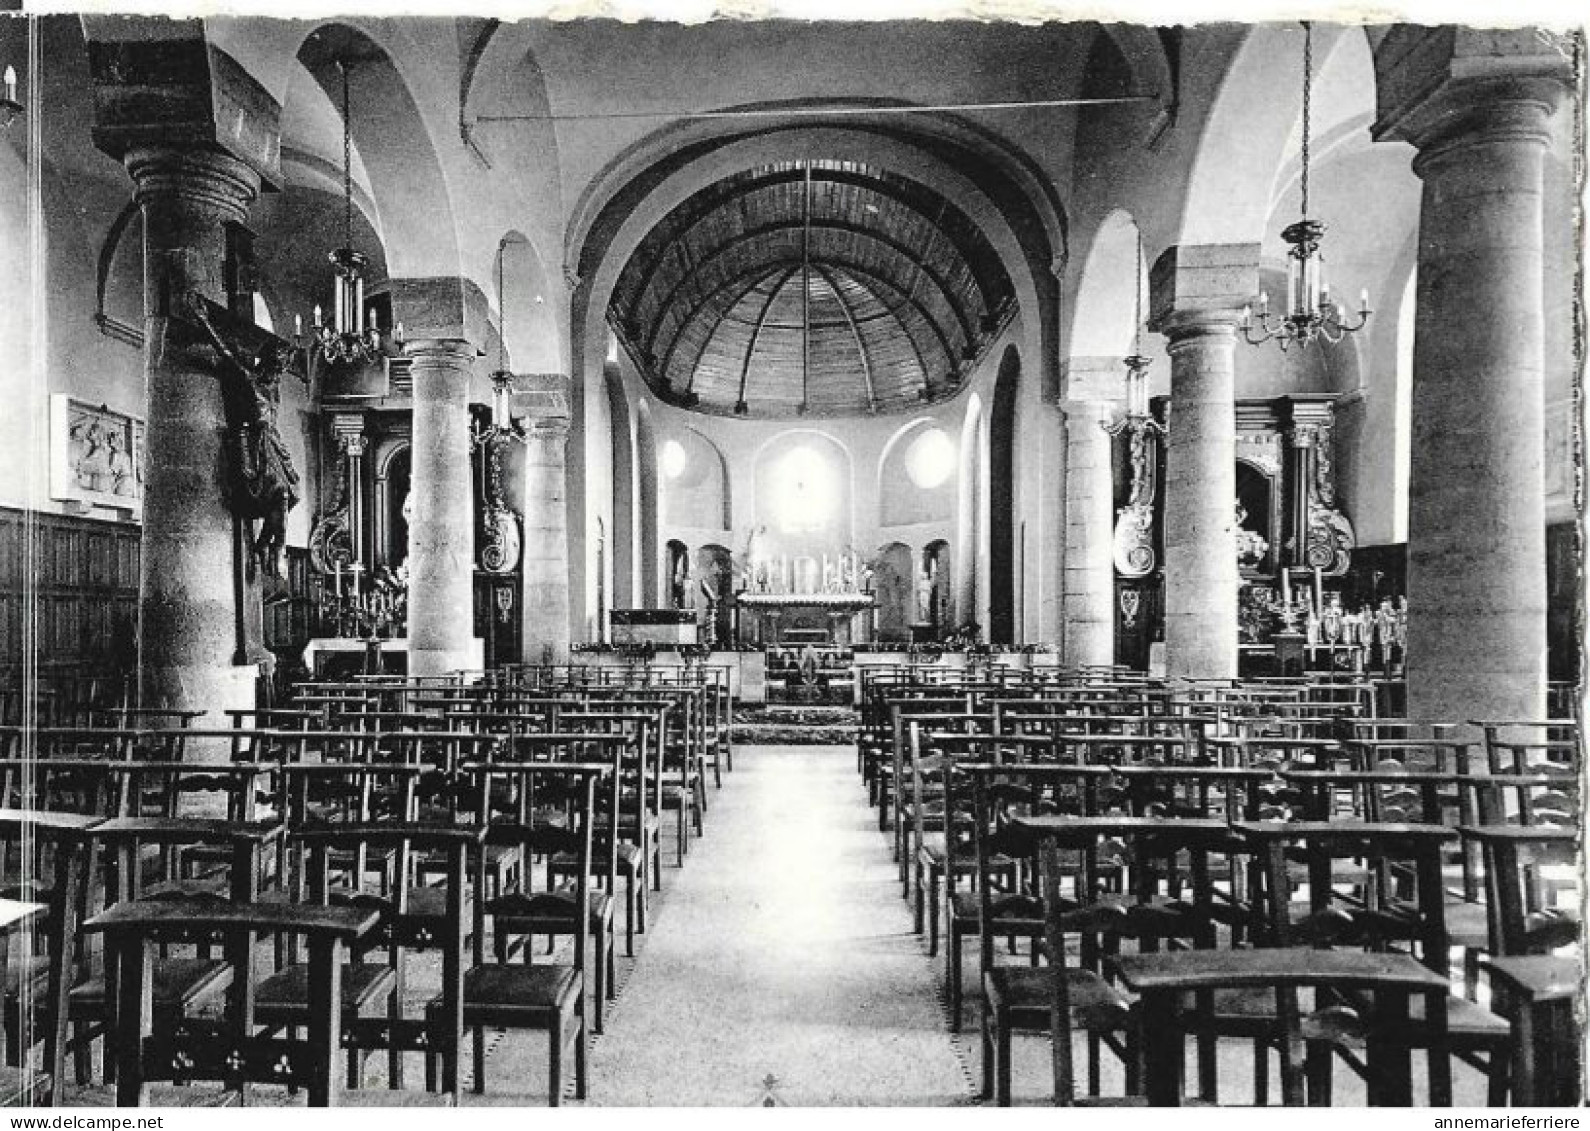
[(963, 317), (861, 346)]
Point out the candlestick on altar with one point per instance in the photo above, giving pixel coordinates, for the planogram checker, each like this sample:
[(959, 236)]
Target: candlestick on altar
[(1319, 593), (1286, 587), (338, 565)]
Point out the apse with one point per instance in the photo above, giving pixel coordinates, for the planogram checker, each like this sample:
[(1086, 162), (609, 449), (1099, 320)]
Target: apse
[(811, 288)]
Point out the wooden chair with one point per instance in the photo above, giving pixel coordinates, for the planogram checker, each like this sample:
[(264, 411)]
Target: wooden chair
[(549, 997), (181, 984), (226, 1049), (1379, 918), (557, 910), (639, 849), (1010, 901), (1165, 980), (40, 971), (403, 926)]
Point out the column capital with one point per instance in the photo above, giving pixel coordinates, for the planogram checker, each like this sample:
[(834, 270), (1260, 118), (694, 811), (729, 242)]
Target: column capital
[(205, 178), (175, 89), (1087, 412), (1093, 379), (545, 399), (1439, 88), (443, 307), (435, 353), (1200, 289)]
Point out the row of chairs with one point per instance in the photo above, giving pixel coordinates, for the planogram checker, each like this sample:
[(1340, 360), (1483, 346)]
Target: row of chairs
[(446, 823), (1212, 813)]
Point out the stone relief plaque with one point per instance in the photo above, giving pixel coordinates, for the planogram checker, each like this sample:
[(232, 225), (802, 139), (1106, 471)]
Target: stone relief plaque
[(96, 455)]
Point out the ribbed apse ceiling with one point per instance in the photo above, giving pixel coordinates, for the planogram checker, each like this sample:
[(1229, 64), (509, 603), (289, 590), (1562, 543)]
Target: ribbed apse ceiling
[(829, 288)]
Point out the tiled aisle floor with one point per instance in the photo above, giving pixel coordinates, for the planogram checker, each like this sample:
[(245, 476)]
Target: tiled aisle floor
[(782, 966)]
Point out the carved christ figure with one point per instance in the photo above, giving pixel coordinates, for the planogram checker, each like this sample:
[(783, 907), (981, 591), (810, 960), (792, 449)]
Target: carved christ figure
[(264, 483)]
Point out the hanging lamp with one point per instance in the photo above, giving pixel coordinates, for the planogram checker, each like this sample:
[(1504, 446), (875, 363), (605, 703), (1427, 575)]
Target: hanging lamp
[(350, 338), (1310, 311)]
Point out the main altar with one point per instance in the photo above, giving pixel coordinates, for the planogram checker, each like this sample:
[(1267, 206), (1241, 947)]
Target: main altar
[(806, 600)]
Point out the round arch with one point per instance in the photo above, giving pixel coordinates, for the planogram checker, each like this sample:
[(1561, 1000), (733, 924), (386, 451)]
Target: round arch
[(635, 192), (1103, 315), (1242, 148), (605, 249), (395, 147), (1005, 583), (528, 324)]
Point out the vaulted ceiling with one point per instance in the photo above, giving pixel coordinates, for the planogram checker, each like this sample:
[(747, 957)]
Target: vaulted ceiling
[(822, 288)]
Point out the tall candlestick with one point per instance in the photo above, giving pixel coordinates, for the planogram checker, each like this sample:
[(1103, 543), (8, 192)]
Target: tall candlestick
[(1286, 587), (1319, 593)]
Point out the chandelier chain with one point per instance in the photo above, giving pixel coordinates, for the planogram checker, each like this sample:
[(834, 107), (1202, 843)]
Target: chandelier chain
[(1308, 83), (347, 163), (1137, 300), (502, 308)]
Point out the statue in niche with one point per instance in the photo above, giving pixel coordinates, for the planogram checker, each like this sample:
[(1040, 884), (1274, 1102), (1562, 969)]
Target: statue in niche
[(926, 582), (264, 483), (1251, 547), (681, 582)]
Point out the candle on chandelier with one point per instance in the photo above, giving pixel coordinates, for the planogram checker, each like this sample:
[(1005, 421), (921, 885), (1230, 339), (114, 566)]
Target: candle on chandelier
[(316, 322), (1363, 301), (11, 84), (298, 325)]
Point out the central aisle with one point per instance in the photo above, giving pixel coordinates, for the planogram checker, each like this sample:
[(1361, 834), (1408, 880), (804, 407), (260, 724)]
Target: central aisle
[(782, 964)]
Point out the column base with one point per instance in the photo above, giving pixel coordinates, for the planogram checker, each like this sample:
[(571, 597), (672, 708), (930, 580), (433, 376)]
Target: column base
[(445, 661), (212, 688)]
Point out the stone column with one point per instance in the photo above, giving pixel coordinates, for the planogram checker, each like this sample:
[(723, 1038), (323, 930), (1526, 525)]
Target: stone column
[(546, 539), (1090, 512), (442, 535), (189, 606), (1480, 110), (1197, 296)]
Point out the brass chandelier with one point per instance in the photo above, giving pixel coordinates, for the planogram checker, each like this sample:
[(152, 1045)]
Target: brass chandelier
[(1310, 311), (349, 338)]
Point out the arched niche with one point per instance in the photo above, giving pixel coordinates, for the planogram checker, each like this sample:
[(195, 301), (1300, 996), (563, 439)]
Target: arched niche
[(802, 495), (677, 575), (894, 575), (393, 481), (936, 589), (694, 482), (916, 475), (714, 589)]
